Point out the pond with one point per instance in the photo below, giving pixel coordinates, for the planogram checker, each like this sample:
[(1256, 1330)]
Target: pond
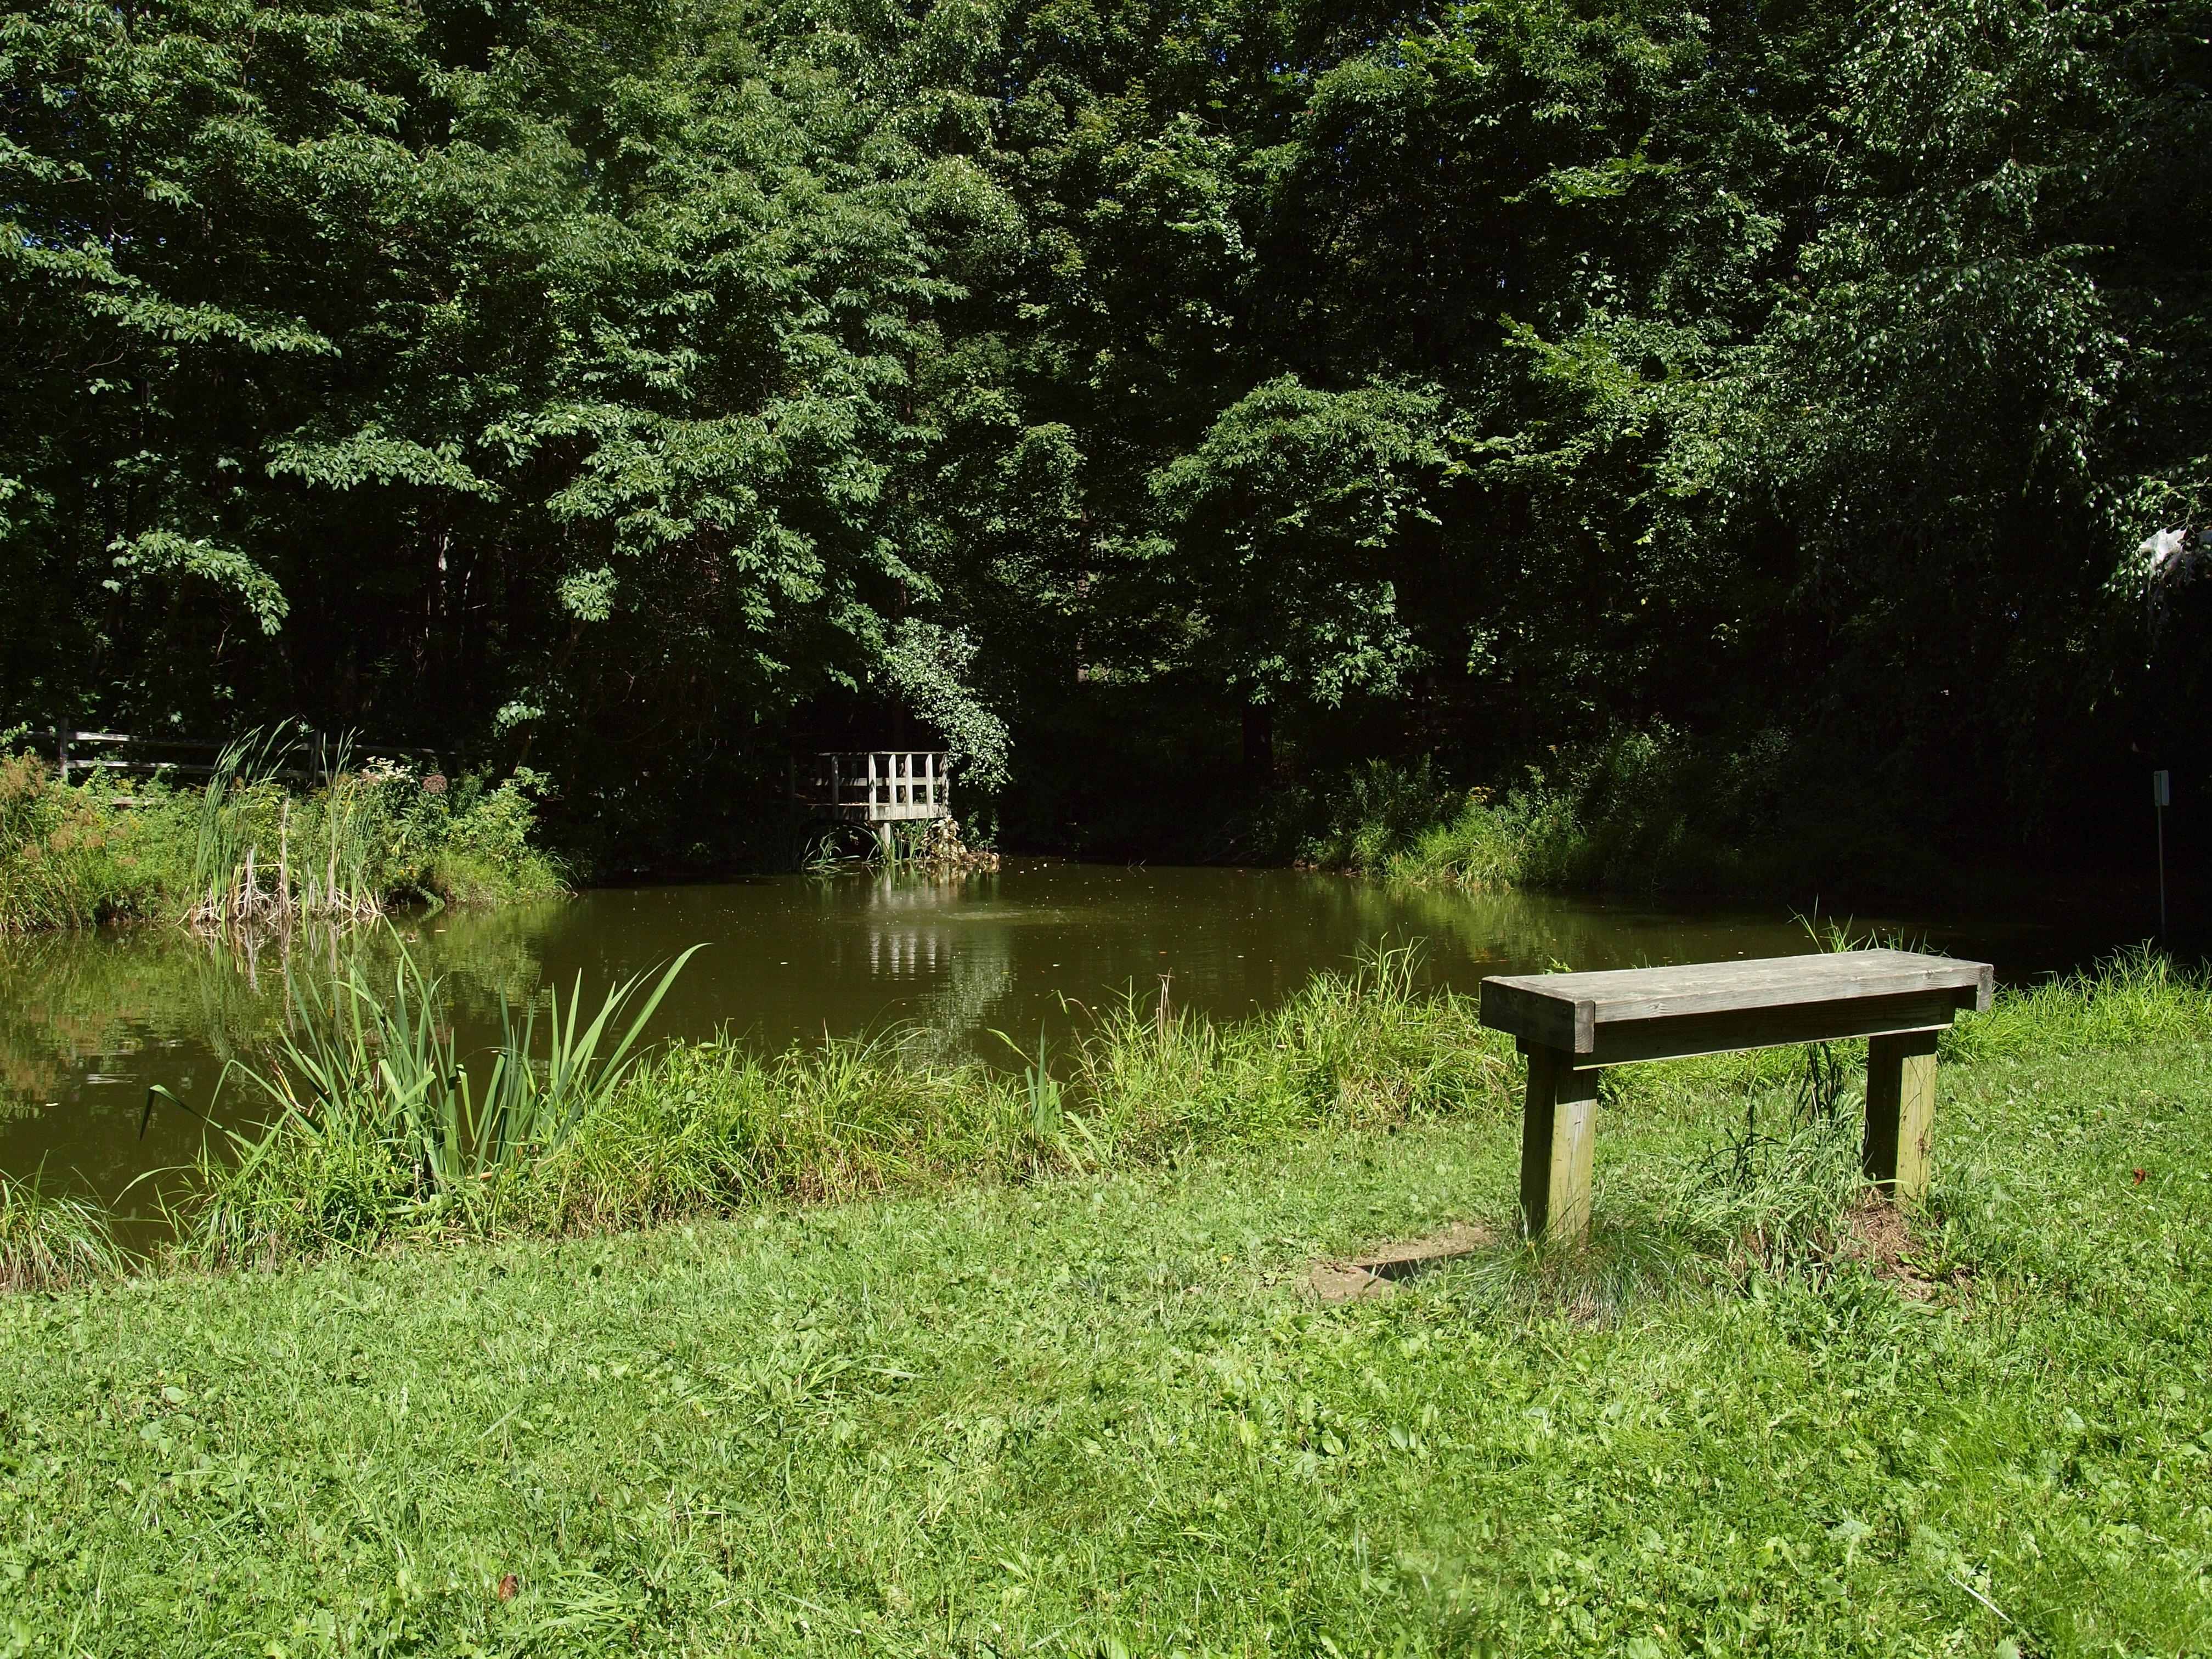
[(89, 1021)]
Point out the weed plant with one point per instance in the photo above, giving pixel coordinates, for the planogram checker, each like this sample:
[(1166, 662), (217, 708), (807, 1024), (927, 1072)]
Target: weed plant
[(935, 848), (711, 1127), (2137, 998), (68, 858)]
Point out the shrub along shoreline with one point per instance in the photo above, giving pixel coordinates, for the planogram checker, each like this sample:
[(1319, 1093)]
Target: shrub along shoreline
[(382, 1138), (251, 847), (1648, 810)]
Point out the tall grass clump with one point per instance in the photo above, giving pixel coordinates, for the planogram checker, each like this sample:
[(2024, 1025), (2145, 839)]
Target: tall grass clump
[(714, 1125), (1403, 823), (49, 1241), (1376, 813), (711, 1127), (1778, 1191), (379, 1129), (2134, 996), (42, 835), (1644, 809), (264, 854), (375, 1124), (467, 839), (1366, 1049), (261, 856)]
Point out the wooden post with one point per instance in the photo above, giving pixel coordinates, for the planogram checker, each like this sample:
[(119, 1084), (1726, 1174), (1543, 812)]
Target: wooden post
[(61, 747), (1559, 1134), (836, 794), (1900, 1111)]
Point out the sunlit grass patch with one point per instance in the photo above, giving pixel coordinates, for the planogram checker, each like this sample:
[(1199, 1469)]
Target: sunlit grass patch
[(375, 1127), (376, 1131), (1094, 1412), (2132, 997), (715, 1125)]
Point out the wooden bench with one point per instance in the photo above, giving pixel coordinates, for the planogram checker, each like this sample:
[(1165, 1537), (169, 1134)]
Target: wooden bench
[(1571, 1026)]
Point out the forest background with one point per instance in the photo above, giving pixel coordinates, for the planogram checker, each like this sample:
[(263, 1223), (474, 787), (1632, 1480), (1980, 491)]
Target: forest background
[(1760, 422)]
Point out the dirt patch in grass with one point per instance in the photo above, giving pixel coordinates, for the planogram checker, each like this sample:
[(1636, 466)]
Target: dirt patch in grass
[(1878, 1234), (1376, 1270)]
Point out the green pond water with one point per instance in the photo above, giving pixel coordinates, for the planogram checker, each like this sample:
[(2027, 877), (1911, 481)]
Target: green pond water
[(89, 1021)]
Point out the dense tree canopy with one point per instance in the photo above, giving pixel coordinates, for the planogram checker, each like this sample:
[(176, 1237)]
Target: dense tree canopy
[(1205, 393)]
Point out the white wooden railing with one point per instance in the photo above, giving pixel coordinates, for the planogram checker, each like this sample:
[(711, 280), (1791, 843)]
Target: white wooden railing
[(880, 785)]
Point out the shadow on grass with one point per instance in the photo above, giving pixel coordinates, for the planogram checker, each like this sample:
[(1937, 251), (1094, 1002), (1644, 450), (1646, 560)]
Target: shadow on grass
[(1625, 1259), (1687, 1223)]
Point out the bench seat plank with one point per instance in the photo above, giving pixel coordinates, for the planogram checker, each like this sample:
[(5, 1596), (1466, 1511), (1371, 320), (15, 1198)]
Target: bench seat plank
[(1621, 1015)]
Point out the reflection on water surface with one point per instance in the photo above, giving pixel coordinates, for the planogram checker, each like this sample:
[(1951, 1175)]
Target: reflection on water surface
[(89, 1021)]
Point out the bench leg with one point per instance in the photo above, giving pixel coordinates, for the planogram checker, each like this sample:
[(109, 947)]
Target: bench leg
[(1558, 1132), (1900, 1111)]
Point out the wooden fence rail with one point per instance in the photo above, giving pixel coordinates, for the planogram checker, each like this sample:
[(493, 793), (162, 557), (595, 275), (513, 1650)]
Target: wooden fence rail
[(145, 752)]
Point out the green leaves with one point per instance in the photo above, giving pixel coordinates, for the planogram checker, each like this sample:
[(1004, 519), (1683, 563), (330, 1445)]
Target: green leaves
[(164, 552), (1294, 494), (369, 457), (1512, 373), (927, 664)]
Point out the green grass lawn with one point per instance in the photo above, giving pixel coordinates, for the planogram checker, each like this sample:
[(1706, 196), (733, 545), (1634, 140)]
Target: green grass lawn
[(1096, 1414)]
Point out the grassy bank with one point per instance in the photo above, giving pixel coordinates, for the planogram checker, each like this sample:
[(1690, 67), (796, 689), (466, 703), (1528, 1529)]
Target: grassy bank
[(703, 1128), (379, 1131), (1095, 1414), (251, 846), (1645, 810)]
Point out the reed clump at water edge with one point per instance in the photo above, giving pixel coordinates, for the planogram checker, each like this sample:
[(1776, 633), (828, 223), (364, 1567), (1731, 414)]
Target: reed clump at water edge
[(379, 1130), (375, 1125), (282, 832)]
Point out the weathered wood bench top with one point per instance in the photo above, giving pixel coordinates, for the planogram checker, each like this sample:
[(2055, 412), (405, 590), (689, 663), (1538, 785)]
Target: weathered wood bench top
[(1570, 1025), (1652, 1013)]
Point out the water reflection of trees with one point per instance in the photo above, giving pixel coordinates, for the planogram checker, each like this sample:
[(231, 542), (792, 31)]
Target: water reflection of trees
[(68, 1000), (1488, 932)]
